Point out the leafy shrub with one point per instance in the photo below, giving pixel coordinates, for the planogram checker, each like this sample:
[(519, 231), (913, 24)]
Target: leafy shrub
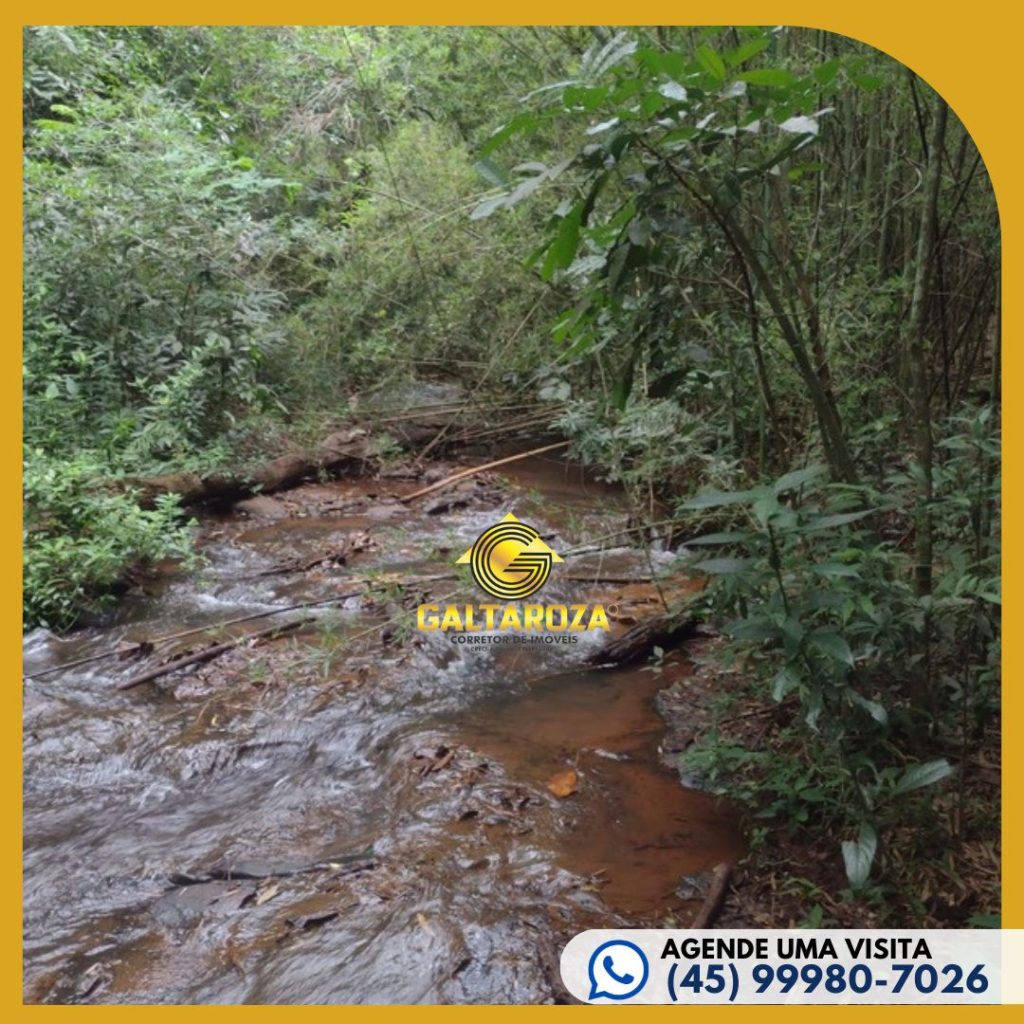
[(819, 604), (411, 289), (80, 541)]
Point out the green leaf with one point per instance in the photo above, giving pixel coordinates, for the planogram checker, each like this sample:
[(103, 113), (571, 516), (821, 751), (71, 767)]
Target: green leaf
[(786, 680), (714, 499), (746, 51), (985, 921), (562, 249), (831, 643), (835, 570), (672, 91), (724, 566), (858, 856), (752, 629), (917, 776), (491, 173), (867, 82), (767, 508), (47, 124), (718, 538), (711, 63), (524, 122), (776, 78), (825, 74), (587, 98), (840, 519)]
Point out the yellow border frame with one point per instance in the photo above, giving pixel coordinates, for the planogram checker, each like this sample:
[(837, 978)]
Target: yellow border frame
[(970, 54)]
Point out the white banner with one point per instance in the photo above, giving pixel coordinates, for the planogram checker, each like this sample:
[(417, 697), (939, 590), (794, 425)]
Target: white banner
[(797, 965)]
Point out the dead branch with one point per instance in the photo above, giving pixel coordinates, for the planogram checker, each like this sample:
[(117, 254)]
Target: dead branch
[(358, 586), (709, 909), (209, 653), (473, 470)]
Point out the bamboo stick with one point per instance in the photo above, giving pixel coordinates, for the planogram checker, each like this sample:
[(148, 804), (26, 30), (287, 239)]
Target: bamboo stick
[(473, 470)]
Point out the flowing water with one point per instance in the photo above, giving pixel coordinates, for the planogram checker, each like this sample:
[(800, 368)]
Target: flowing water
[(355, 812)]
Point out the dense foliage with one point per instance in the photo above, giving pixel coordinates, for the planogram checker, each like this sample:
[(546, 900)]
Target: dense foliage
[(758, 269), (722, 217)]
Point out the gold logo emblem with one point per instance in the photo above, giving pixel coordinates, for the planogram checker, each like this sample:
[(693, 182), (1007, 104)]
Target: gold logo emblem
[(509, 560)]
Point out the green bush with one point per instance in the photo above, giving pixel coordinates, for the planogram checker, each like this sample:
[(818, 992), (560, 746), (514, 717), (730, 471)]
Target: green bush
[(80, 541), (820, 606)]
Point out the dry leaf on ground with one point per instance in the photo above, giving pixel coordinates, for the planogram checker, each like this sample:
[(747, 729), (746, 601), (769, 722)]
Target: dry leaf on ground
[(564, 783)]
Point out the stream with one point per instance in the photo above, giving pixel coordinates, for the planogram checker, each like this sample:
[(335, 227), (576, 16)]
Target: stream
[(355, 812)]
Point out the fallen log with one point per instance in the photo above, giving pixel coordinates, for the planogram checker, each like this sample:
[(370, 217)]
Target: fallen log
[(340, 451), (638, 642), (209, 653)]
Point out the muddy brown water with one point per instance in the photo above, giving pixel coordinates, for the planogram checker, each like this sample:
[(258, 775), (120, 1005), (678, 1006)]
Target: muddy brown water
[(357, 813)]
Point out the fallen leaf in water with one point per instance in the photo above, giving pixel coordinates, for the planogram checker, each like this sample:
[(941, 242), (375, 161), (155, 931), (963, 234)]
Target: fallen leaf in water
[(564, 783), (266, 892)]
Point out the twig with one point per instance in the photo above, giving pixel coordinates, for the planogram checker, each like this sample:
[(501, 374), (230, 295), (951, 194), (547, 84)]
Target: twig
[(473, 470), (143, 644), (359, 584), (623, 580), (211, 652)]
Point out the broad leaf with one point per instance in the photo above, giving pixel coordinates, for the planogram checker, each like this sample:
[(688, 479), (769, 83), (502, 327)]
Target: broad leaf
[(786, 680), (746, 51), (524, 122), (858, 856), (718, 538), (797, 478), (775, 77), (753, 629), (872, 707), (831, 643), (917, 776), (714, 499), (672, 91), (800, 126), (724, 566), (840, 519), (710, 62)]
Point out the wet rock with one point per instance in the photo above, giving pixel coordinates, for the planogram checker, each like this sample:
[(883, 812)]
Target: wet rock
[(445, 503), (263, 507), (191, 902)]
